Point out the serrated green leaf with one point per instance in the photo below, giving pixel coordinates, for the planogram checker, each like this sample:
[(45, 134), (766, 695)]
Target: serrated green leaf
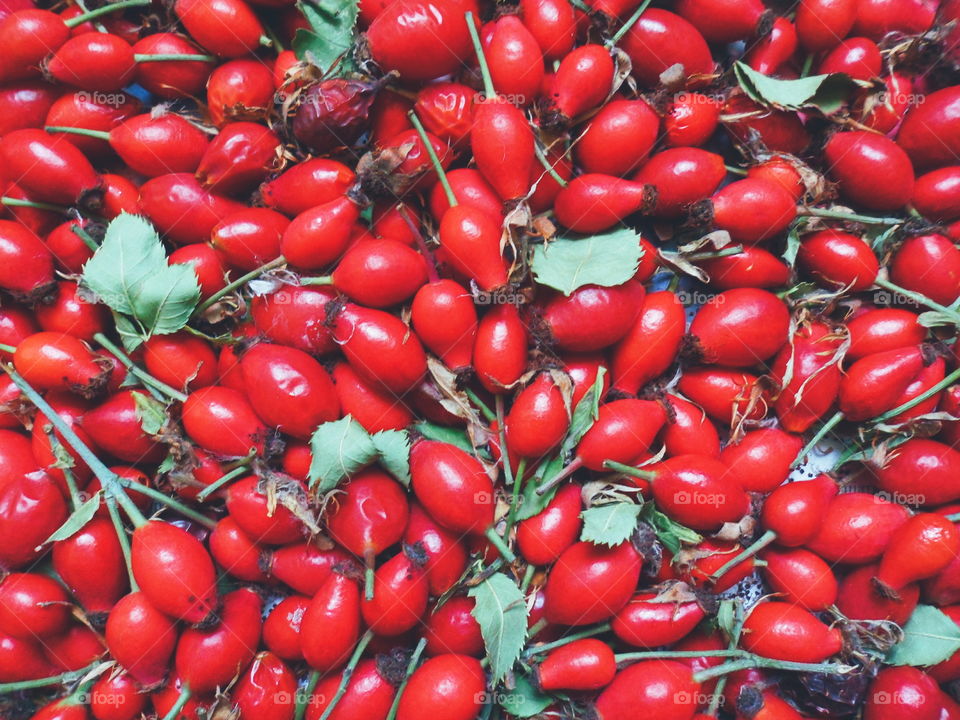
[(151, 412), (609, 259), (530, 502), (78, 518), (524, 700), (129, 273), (935, 318), (584, 415), (828, 92), (393, 447), (673, 535), (441, 433), (610, 524), (502, 615), (339, 448), (331, 35), (130, 254), (168, 299), (929, 637)]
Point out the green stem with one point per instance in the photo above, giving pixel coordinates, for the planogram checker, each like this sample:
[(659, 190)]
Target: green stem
[(498, 542), (537, 627), (179, 704), (515, 494), (677, 654), (807, 65), (919, 299), (630, 470), (717, 697), (910, 404), (768, 537), (138, 372), (551, 170), (17, 202), (955, 517), (502, 430), (165, 499), (347, 674), (304, 699), (411, 666), (852, 217), (108, 479), (98, 134), (434, 159), (820, 434), (588, 632), (62, 678), (68, 476), (369, 573), (481, 405), (7, 348), (123, 539), (220, 482), (321, 280), (173, 57), (628, 24), (756, 661), (488, 87), (239, 282), (105, 10), (527, 577), (569, 470), (81, 233), (735, 170)]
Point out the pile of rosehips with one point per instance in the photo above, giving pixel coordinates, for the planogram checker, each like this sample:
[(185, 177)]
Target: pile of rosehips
[(453, 359)]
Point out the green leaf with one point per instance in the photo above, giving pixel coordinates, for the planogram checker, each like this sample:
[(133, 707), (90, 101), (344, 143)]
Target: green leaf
[(584, 415), (930, 637), (168, 464), (339, 448), (151, 412), (610, 524), (607, 260), (441, 433), (828, 93), (128, 332), (501, 612), (393, 447), (524, 700), (331, 35), (129, 273), (130, 254), (793, 246), (530, 502), (673, 535), (78, 518), (168, 299)]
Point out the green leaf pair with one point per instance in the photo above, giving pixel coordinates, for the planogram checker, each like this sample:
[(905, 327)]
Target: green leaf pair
[(342, 447), (129, 273)]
